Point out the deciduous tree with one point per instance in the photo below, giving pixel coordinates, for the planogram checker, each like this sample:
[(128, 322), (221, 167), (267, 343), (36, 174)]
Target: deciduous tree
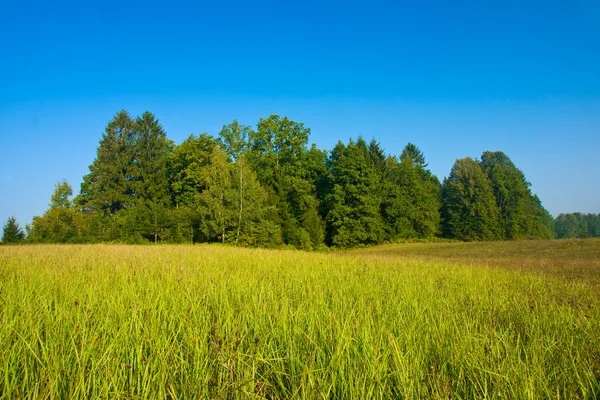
[(469, 208)]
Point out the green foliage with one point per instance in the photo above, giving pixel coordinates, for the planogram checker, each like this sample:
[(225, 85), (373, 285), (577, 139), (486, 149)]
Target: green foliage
[(253, 226), (469, 208), (152, 198), (218, 216), (61, 196), (129, 176), (413, 155), (411, 199), (522, 215), (187, 168), (110, 185), (12, 233), (235, 138), (285, 166), (540, 222), (577, 225), (353, 216), (60, 225), (267, 187)]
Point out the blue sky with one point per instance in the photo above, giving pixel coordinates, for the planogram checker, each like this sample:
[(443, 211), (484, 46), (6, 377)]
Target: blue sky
[(455, 78)]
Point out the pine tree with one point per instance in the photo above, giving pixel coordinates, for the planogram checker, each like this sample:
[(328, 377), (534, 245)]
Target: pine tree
[(12, 232)]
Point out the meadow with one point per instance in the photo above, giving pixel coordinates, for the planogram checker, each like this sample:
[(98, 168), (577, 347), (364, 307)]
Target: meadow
[(480, 320)]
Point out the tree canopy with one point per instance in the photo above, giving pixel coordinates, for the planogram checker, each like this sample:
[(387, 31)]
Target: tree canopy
[(268, 186)]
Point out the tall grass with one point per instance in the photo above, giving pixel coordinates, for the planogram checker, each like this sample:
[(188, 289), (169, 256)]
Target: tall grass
[(217, 322), (572, 259)]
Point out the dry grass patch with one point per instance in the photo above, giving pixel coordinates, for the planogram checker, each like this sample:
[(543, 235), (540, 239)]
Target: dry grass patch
[(572, 259)]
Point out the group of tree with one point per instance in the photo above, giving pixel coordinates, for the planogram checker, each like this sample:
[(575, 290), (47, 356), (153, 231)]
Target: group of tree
[(268, 187), (490, 199), (577, 225)]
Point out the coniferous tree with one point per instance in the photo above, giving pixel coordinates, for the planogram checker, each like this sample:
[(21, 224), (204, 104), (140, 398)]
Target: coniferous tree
[(411, 203), (415, 155), (469, 210), (109, 187), (152, 149), (12, 232), (353, 212), (128, 180)]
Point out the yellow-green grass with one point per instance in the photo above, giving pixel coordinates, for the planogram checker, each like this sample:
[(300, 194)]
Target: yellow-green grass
[(573, 259), (109, 321)]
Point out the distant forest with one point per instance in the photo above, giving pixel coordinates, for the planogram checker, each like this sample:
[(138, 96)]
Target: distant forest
[(267, 187)]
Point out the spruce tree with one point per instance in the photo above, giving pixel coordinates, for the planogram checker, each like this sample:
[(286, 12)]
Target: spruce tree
[(353, 216), (411, 202), (109, 187), (12, 232), (152, 149)]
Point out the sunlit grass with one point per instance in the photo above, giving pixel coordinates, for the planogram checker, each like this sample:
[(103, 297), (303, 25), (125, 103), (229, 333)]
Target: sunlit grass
[(217, 322), (573, 259)]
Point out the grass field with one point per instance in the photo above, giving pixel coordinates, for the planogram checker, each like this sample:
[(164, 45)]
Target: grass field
[(404, 321), (572, 259)]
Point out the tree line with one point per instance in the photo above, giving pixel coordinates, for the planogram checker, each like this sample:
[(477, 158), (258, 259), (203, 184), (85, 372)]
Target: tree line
[(577, 225), (266, 186)]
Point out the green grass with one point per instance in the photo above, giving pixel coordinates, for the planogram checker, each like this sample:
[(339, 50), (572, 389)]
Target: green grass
[(108, 321)]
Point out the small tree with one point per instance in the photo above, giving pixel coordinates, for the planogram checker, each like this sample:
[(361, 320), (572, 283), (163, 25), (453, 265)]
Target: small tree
[(60, 197), (12, 232)]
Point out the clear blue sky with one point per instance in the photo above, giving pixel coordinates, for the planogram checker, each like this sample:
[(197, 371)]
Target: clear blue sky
[(455, 78)]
